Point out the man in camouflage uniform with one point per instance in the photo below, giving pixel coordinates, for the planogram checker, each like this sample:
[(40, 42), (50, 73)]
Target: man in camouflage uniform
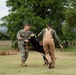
[(49, 35), (22, 37)]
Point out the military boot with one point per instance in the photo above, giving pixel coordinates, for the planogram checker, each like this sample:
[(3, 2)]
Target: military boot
[(23, 64)]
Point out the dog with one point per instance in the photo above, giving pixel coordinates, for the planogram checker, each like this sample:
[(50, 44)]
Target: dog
[(37, 47)]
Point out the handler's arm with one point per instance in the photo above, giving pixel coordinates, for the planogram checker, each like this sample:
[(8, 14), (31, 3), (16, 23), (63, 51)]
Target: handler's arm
[(56, 38), (40, 34), (18, 36)]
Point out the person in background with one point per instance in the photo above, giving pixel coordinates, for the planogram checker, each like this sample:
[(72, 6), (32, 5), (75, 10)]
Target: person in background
[(49, 35), (22, 37)]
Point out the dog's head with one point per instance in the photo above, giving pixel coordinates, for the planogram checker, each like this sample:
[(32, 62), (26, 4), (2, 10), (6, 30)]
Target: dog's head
[(32, 37)]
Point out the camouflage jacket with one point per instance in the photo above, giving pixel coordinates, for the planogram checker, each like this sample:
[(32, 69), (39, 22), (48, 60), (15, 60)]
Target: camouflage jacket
[(24, 35)]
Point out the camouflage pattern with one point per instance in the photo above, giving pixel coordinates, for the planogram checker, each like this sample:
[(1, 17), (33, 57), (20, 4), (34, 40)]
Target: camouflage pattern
[(23, 51)]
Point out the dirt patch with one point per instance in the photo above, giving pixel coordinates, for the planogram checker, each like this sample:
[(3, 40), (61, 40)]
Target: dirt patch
[(12, 52)]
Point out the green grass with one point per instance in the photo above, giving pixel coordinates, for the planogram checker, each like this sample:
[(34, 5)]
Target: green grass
[(70, 49), (65, 65), (5, 45), (10, 64)]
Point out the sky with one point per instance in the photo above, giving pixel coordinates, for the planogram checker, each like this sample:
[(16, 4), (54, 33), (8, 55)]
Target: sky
[(3, 12), (3, 8)]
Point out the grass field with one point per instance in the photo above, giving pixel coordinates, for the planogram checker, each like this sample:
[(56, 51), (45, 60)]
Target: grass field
[(5, 45), (65, 64)]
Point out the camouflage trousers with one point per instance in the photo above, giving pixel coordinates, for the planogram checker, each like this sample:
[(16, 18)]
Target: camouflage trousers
[(23, 52)]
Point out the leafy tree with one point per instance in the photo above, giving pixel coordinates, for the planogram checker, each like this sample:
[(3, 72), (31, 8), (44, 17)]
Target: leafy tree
[(4, 36), (69, 29), (36, 12)]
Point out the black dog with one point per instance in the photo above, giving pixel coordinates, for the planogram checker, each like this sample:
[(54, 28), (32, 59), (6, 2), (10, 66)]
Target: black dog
[(37, 47)]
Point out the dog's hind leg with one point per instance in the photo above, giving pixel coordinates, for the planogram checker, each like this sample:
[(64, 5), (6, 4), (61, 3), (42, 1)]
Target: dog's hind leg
[(45, 60)]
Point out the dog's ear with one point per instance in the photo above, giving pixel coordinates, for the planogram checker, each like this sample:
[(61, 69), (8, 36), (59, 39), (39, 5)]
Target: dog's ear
[(33, 35)]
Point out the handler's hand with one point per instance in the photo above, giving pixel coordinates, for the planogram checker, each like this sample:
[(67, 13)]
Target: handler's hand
[(61, 46), (20, 38)]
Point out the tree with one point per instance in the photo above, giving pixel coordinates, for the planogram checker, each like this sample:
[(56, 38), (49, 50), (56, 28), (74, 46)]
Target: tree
[(4, 36), (69, 29), (36, 12)]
